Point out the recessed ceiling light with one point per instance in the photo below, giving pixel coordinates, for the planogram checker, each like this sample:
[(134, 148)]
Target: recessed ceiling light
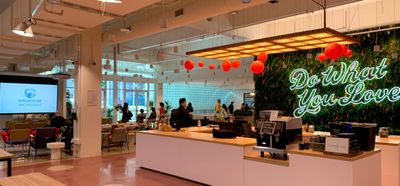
[(246, 1), (273, 1), (126, 30), (110, 1)]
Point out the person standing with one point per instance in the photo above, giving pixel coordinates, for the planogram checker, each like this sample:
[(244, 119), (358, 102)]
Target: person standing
[(218, 106), (231, 108), (184, 118), (153, 115), (162, 109), (224, 112), (126, 114), (189, 107)]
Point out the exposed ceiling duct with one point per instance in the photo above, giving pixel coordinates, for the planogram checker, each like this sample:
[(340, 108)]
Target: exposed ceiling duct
[(149, 23)]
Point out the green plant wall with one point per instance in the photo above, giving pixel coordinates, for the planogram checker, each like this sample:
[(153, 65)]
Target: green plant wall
[(272, 87)]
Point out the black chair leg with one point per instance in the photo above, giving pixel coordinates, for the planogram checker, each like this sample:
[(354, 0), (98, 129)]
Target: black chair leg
[(29, 150), (127, 144), (35, 153)]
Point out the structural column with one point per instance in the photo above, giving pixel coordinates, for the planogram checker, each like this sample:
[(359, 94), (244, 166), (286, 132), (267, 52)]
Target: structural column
[(61, 105), (87, 129), (159, 94)]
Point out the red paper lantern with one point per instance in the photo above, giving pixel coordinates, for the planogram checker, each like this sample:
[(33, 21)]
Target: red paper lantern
[(257, 67), (349, 53), (211, 66), (235, 64), (262, 57), (201, 64), (321, 57), (333, 51), (226, 66), (189, 65), (344, 49)]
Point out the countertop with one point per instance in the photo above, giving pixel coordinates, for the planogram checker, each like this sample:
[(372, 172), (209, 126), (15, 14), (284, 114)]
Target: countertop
[(200, 135), (391, 140), (364, 154), (255, 156)]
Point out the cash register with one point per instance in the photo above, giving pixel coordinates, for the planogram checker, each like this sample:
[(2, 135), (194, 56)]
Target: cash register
[(275, 132)]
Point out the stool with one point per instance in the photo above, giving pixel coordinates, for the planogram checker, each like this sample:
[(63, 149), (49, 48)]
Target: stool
[(55, 149)]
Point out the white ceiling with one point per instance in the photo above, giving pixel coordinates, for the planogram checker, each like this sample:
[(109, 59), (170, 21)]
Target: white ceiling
[(57, 21)]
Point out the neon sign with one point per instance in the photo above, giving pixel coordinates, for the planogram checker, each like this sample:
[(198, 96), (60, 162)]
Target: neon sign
[(355, 91)]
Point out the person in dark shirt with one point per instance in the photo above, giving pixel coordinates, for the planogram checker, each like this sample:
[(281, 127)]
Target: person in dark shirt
[(184, 117), (141, 116), (153, 114), (231, 108), (57, 121), (126, 114), (189, 108)]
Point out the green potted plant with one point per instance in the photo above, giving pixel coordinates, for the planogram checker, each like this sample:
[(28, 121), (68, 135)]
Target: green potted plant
[(167, 107)]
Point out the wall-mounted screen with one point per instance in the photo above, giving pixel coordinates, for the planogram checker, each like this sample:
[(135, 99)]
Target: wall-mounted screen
[(27, 95)]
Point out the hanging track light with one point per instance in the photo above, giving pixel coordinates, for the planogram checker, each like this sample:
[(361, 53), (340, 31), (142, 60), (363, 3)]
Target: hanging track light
[(25, 28)]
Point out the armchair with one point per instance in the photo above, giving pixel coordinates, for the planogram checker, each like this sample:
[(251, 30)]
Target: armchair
[(41, 138)]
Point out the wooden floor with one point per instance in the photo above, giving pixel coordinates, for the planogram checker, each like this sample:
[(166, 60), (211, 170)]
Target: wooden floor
[(110, 170)]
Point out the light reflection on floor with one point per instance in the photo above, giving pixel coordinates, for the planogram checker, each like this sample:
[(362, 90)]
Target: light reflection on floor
[(115, 168)]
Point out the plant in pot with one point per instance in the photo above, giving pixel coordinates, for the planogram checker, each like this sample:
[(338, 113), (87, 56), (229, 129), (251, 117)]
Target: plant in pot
[(167, 107)]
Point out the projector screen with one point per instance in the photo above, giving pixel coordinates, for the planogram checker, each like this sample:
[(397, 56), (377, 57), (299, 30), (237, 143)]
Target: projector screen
[(31, 97)]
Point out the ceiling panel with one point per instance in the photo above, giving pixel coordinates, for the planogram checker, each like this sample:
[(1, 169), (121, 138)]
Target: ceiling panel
[(11, 52), (45, 30), (19, 44), (73, 17), (124, 8)]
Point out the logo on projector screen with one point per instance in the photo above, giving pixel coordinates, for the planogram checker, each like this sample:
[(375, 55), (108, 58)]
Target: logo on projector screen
[(30, 93)]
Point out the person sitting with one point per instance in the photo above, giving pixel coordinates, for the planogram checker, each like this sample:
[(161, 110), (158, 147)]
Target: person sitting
[(126, 114), (57, 121), (141, 116), (153, 115)]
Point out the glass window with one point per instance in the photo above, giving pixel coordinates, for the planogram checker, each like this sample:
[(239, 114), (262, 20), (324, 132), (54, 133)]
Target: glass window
[(130, 85), (110, 99), (70, 83), (152, 86), (102, 98), (69, 92), (203, 98), (141, 98), (110, 85), (140, 86), (130, 98), (120, 97)]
